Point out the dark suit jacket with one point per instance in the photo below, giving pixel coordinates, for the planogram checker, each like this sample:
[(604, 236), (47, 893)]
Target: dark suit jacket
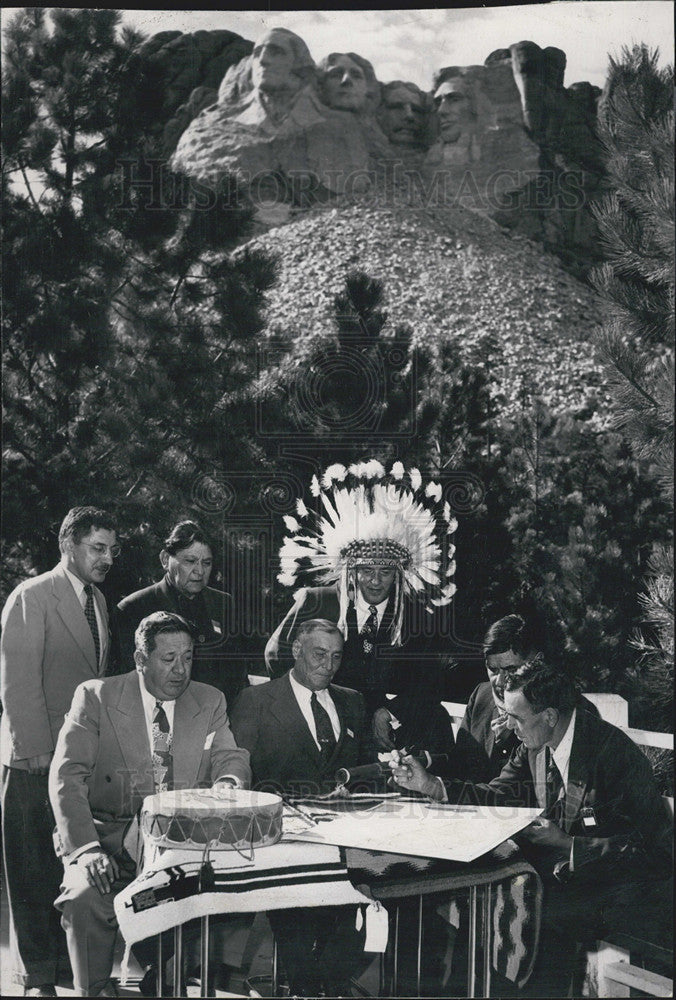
[(482, 757), (267, 721), (630, 836), (213, 663), (411, 669), (102, 767)]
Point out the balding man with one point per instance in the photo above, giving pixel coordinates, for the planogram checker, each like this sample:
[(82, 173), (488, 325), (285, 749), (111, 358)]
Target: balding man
[(299, 729)]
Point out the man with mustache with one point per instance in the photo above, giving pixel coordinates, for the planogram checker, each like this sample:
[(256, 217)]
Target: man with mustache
[(54, 636)]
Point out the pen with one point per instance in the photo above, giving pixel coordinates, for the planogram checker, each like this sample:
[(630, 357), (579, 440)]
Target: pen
[(451, 808), (299, 812)]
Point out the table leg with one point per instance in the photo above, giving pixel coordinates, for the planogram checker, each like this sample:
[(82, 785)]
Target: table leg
[(395, 953), (420, 940), (487, 897), (275, 967), (178, 960), (471, 955), (160, 966), (204, 955)]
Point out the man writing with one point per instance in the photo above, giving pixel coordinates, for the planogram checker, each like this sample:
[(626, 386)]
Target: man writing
[(299, 729), (603, 843), (124, 738), (54, 636)]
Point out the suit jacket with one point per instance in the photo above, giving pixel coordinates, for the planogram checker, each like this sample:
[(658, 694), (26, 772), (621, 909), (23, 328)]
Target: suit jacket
[(481, 756), (267, 720), (625, 832), (102, 767), (213, 663), (411, 669), (46, 650)]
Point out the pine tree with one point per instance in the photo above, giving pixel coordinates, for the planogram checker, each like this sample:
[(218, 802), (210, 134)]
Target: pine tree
[(636, 221), (129, 334)]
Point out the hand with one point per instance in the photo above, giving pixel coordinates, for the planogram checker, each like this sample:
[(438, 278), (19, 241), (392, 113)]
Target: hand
[(543, 833), (39, 764), (223, 786), (499, 726), (382, 729), (410, 773), (101, 869)]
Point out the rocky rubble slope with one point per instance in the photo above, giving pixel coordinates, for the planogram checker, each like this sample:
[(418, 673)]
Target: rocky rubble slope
[(455, 278)]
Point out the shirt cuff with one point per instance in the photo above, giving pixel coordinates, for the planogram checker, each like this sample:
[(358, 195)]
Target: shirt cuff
[(443, 789), (236, 782), (74, 855)]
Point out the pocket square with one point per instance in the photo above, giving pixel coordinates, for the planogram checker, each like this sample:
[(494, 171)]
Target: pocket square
[(209, 740), (350, 733)]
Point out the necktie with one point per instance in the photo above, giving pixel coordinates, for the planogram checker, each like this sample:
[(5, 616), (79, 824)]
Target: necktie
[(90, 615), (325, 733), (163, 762), (368, 632), (554, 787)]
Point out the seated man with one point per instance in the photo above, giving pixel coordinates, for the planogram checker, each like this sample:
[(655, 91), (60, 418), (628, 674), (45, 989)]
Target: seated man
[(299, 729), (485, 742), (126, 737), (603, 843)]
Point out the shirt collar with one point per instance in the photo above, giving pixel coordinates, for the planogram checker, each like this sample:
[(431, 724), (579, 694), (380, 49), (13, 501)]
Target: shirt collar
[(78, 585), (303, 694), (562, 753), (149, 701), (363, 606)]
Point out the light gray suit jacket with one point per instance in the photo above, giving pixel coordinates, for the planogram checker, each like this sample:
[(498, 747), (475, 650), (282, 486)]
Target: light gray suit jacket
[(102, 767), (46, 650)]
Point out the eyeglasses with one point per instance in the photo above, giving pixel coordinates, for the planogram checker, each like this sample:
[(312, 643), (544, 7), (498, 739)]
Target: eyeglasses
[(507, 668), (100, 549)]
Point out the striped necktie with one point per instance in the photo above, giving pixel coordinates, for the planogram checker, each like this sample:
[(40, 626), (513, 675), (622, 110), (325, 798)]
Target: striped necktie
[(90, 615), (554, 789), (163, 762)]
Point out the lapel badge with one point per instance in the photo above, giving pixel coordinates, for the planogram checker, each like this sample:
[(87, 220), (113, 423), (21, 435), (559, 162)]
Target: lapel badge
[(588, 817)]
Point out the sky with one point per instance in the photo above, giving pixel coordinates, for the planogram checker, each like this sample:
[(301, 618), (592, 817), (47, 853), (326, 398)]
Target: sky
[(412, 44)]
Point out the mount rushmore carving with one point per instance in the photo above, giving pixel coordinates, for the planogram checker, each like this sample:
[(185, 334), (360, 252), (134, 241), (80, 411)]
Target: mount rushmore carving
[(499, 137)]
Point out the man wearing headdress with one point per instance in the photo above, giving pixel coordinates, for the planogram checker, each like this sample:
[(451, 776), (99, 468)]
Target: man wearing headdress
[(382, 554)]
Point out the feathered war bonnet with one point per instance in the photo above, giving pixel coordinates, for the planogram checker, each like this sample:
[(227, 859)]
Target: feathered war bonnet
[(369, 517)]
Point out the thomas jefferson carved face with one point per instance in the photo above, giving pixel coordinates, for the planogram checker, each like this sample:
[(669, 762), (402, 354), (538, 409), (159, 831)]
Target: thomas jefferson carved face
[(454, 109), (273, 61), (344, 84), (402, 115)]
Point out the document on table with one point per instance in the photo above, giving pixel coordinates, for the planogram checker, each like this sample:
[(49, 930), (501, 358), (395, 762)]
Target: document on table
[(431, 830)]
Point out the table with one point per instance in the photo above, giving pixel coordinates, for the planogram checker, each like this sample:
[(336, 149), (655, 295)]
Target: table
[(173, 889)]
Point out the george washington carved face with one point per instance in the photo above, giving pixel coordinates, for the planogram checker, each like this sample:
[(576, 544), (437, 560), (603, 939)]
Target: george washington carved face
[(279, 61)]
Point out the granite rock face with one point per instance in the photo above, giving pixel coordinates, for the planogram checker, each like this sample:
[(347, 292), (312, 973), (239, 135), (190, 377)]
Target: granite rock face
[(506, 138)]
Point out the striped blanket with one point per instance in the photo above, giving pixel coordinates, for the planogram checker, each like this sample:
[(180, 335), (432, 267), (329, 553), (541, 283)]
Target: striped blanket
[(176, 887)]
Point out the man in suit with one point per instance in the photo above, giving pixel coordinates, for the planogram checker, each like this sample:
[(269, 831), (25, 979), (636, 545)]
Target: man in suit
[(54, 636), (187, 561), (371, 664), (126, 737), (300, 729), (603, 843), (485, 740)]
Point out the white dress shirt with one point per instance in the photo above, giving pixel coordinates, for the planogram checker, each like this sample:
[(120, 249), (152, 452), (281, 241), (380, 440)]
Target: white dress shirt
[(79, 588), (562, 753), (149, 702), (303, 696), (362, 609)]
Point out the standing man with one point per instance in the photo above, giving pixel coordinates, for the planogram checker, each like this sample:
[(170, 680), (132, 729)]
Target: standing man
[(126, 737), (187, 561), (299, 729), (381, 551), (54, 636)]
